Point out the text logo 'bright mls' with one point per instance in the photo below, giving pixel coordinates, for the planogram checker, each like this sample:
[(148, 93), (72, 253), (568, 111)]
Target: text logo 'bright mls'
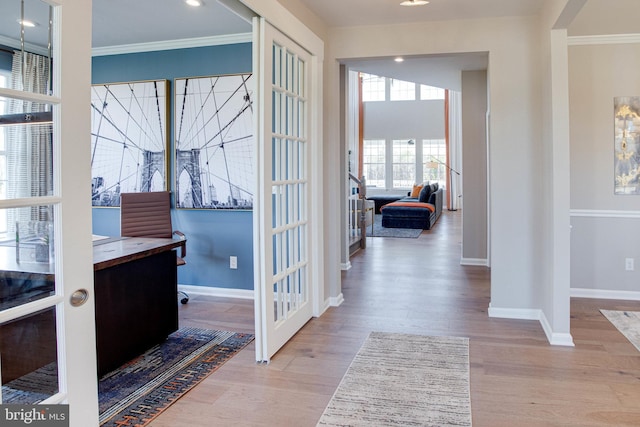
[(34, 415)]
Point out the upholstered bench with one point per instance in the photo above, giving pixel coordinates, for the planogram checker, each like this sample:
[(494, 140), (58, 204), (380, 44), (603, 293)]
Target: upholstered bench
[(403, 214)]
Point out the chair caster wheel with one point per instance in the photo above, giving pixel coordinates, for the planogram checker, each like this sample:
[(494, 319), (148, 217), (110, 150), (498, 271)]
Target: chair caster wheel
[(184, 300)]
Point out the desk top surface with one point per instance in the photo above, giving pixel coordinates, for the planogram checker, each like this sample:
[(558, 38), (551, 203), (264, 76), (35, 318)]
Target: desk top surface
[(106, 253), (114, 251)]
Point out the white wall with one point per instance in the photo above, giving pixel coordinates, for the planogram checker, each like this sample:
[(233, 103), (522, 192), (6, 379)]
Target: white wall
[(605, 226), (474, 167)]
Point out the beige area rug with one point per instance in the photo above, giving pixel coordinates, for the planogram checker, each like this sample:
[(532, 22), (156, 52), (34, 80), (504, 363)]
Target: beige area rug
[(627, 322), (404, 380)]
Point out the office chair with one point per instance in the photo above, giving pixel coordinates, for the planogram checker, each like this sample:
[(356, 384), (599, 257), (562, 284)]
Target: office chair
[(149, 215)]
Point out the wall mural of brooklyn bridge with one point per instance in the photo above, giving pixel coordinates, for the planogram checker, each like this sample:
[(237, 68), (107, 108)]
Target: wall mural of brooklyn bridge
[(129, 139), (214, 142)]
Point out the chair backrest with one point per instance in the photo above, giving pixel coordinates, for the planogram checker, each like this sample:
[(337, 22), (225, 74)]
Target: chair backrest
[(145, 214)]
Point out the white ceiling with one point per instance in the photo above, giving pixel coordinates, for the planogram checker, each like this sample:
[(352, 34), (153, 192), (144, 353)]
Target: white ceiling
[(342, 13), (126, 22)]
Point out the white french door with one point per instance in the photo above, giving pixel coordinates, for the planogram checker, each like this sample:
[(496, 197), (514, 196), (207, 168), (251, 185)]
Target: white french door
[(46, 310), (282, 251)]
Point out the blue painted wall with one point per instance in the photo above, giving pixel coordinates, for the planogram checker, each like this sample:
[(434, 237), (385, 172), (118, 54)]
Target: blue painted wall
[(213, 236)]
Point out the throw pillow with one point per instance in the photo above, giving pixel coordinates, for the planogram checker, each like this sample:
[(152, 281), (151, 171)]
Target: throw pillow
[(424, 194), (415, 193)]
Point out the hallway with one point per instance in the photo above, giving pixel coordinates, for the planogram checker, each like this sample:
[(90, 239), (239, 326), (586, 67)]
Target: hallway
[(418, 286)]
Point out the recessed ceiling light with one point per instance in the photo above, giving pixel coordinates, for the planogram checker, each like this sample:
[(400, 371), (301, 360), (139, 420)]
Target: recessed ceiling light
[(399, 59), (26, 23), (194, 3), (414, 3)]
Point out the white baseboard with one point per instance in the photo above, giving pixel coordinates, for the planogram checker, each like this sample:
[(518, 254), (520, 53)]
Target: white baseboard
[(605, 294), (565, 340), (332, 302), (514, 313), (217, 292), (554, 338), (345, 266), (336, 301), (475, 261)]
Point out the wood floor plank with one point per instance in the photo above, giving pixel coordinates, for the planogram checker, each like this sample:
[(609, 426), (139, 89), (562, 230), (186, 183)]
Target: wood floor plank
[(418, 286)]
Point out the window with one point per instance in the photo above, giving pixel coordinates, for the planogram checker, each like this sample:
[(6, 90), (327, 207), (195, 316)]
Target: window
[(431, 93), (4, 83), (404, 163), (373, 87), (373, 162), (402, 91), (434, 158)]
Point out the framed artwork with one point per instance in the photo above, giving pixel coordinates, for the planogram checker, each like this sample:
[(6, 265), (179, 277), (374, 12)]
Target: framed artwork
[(129, 139), (214, 142), (626, 144)]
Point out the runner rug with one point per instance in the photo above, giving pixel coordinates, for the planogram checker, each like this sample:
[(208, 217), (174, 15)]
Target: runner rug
[(627, 322), (404, 380)]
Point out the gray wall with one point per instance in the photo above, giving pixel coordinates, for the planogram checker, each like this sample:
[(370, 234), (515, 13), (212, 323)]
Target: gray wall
[(474, 165), (605, 227), (404, 120)]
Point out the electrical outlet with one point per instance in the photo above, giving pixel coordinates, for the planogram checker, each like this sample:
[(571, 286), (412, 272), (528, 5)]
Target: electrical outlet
[(628, 264), (233, 262)]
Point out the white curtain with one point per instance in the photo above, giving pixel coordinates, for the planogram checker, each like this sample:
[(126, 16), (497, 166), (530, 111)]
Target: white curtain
[(29, 146), (455, 147)]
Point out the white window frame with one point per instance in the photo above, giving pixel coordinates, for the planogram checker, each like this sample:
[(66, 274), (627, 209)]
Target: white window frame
[(374, 88), (401, 90), (430, 93)]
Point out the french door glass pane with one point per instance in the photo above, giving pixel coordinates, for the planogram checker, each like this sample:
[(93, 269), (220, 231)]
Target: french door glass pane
[(28, 149), (29, 358), (27, 256), (29, 29)]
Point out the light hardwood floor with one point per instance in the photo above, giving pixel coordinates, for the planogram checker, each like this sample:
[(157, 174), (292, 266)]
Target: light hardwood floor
[(417, 286)]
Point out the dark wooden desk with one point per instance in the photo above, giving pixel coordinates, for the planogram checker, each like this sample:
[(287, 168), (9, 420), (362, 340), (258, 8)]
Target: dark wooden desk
[(135, 286)]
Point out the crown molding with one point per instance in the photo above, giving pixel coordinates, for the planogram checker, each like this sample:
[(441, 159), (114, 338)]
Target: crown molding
[(172, 44), (603, 39)]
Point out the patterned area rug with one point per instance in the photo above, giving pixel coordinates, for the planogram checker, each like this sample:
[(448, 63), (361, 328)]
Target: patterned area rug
[(404, 380), (139, 391), (380, 231), (627, 322)]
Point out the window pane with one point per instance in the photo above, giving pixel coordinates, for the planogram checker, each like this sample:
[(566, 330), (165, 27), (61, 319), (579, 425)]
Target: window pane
[(373, 158), (402, 91), (431, 92), (404, 163), (434, 157), (373, 88)]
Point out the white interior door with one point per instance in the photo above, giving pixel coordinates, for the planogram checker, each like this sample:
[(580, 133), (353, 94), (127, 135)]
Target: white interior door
[(282, 229), (46, 327)]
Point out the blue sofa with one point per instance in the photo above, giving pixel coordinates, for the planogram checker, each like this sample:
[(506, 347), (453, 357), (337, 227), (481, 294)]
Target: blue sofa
[(421, 212)]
